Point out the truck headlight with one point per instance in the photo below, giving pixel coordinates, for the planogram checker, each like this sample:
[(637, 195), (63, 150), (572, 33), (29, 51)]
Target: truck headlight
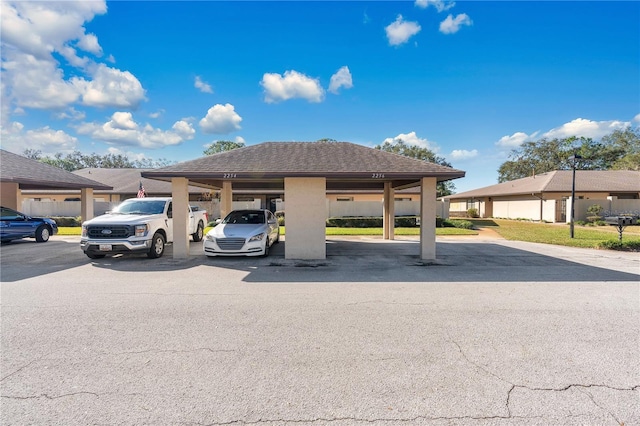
[(141, 230), (84, 230), (258, 237)]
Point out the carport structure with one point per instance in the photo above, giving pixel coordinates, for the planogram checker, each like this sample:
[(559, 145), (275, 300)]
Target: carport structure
[(306, 170), (18, 173)]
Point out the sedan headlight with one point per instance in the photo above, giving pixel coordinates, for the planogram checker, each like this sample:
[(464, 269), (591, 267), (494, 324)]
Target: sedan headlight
[(210, 237), (258, 237), (141, 230)]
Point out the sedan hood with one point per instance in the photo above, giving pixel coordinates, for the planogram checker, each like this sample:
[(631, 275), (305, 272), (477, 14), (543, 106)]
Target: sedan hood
[(236, 230)]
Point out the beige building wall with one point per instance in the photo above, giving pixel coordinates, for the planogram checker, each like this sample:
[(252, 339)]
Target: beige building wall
[(371, 197), (10, 194), (306, 218)]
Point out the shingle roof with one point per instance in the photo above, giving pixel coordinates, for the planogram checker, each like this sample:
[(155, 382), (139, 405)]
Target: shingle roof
[(342, 160), (561, 181), (127, 181), (32, 174)]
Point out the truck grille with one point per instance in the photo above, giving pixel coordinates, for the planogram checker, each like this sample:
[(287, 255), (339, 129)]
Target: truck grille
[(110, 231), (230, 243)]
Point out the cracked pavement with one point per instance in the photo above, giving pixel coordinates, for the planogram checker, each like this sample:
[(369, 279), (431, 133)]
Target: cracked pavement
[(517, 334)]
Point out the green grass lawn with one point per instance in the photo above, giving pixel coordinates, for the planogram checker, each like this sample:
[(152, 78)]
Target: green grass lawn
[(584, 236)]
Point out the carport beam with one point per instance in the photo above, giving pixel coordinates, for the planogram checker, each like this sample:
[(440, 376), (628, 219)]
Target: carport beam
[(388, 214), (180, 211), (428, 218), (226, 199), (86, 203)]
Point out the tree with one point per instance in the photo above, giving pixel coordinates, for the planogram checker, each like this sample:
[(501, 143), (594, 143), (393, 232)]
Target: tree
[(619, 150), (401, 148), (77, 160), (222, 146)]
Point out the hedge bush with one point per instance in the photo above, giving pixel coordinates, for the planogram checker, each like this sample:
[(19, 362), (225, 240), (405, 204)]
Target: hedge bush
[(67, 222), (619, 245)]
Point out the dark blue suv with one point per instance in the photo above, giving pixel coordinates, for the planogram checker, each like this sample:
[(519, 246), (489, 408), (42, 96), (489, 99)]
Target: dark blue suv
[(15, 225)]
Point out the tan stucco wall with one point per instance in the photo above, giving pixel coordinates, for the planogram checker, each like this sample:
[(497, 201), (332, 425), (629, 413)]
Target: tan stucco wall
[(9, 194), (306, 218), (372, 197)]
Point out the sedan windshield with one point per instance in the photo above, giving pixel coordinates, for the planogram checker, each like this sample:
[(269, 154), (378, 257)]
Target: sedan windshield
[(245, 217)]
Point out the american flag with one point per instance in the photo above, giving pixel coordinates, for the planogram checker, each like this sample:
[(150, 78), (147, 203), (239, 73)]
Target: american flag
[(141, 193)]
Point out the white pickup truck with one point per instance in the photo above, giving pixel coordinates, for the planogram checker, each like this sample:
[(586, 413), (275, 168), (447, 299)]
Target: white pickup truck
[(137, 225)]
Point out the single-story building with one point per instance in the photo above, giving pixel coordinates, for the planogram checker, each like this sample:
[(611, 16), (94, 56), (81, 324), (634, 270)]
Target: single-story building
[(547, 196), (304, 172), (18, 173)]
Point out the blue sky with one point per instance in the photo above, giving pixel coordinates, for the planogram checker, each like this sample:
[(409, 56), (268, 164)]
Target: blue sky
[(470, 80)]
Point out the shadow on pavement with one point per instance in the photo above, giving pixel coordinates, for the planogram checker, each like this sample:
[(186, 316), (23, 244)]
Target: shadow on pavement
[(347, 261)]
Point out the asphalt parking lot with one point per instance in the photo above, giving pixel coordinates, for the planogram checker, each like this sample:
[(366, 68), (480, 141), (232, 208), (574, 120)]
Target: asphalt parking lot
[(493, 332)]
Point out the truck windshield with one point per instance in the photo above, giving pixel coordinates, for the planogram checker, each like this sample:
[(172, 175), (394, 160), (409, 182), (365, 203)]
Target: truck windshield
[(140, 207)]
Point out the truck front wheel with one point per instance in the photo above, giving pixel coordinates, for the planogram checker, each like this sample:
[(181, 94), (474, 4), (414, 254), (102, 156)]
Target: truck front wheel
[(157, 246), (197, 236)]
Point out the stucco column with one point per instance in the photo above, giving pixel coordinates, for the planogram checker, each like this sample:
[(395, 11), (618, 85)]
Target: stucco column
[(86, 203), (180, 198), (305, 218), (226, 199), (10, 195), (428, 218), (388, 212)]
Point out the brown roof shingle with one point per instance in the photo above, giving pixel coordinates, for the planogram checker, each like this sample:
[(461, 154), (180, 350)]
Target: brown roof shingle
[(328, 159), (32, 174)]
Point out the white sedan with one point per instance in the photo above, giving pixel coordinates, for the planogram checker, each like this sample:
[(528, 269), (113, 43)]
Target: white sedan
[(244, 233)]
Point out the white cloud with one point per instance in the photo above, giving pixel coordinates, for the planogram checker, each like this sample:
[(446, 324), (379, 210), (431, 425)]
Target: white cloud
[(440, 5), (202, 86), (110, 87), (587, 128), (34, 32), (412, 139), (401, 31), (156, 114), (35, 83), (452, 25), (637, 118), (89, 43), (463, 154), (122, 130), (239, 139), (342, 78), (292, 85), (45, 139), (221, 119), (515, 140), (71, 114)]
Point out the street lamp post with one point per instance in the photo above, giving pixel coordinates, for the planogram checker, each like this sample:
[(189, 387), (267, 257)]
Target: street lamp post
[(573, 159)]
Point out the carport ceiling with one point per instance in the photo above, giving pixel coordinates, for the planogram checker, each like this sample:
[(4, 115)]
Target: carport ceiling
[(32, 174), (346, 166)]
